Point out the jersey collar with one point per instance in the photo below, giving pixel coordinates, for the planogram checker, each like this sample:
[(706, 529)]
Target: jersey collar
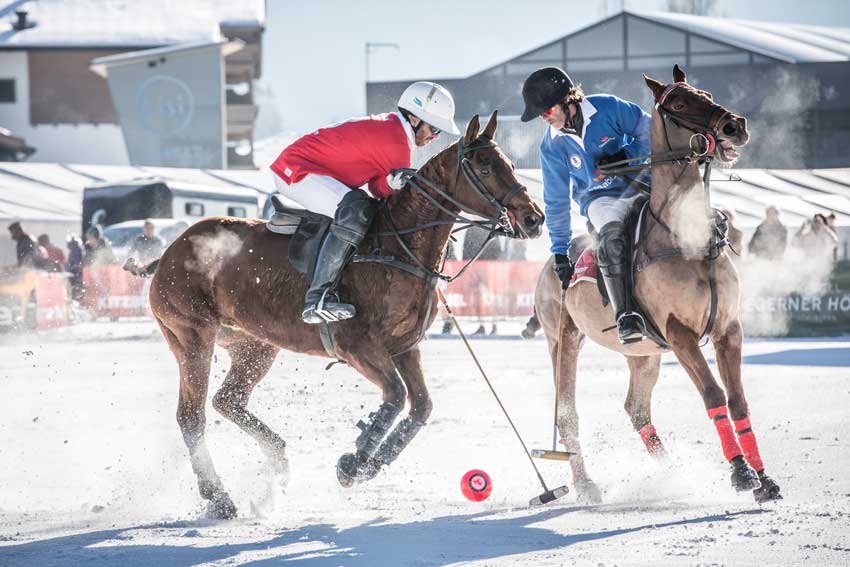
[(408, 129)]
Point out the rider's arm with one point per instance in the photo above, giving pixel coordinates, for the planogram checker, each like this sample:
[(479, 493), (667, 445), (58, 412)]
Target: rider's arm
[(556, 196), (632, 121)]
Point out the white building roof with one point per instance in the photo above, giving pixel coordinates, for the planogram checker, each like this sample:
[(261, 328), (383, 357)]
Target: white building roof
[(792, 43), (52, 191), (124, 23)]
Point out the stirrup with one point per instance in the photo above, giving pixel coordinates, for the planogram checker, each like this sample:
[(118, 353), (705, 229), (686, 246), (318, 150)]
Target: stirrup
[(634, 335), (329, 309)]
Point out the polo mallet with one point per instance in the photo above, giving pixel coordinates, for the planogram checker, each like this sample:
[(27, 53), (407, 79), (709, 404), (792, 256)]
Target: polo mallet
[(555, 454), (547, 495)]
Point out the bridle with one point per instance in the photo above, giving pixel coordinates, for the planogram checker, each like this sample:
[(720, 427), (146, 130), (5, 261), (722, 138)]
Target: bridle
[(498, 222)]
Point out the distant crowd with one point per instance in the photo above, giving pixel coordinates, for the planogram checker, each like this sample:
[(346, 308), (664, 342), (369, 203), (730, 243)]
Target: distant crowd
[(42, 254), (816, 237)]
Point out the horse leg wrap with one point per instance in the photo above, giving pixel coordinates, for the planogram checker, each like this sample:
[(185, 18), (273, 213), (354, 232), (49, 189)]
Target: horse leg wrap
[(652, 441), (747, 439), (731, 449), (373, 433), (398, 440)]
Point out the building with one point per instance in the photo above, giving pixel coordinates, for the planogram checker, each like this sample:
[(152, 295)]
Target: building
[(52, 99), (790, 81)]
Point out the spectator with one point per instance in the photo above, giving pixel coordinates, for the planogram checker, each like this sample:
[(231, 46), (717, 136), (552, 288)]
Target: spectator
[(770, 238), (75, 266), (54, 254), (147, 246), (27, 253), (816, 238), (98, 250)]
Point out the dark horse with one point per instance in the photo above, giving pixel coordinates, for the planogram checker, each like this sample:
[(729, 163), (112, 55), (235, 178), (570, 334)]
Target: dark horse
[(227, 281)]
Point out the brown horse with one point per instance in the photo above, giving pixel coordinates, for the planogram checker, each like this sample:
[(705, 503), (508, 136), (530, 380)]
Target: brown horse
[(228, 281), (674, 288)]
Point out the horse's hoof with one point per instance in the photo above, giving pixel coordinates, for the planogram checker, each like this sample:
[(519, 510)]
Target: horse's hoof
[(346, 470), (587, 493), (768, 490), (351, 469), (221, 507), (744, 478)]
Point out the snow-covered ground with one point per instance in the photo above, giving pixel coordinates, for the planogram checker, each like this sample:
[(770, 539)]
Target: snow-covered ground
[(93, 470)]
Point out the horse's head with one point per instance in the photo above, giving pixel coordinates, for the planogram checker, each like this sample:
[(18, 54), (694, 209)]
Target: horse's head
[(692, 112), (485, 182)]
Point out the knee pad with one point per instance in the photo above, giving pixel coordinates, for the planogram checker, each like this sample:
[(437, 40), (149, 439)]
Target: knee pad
[(354, 215), (613, 244)]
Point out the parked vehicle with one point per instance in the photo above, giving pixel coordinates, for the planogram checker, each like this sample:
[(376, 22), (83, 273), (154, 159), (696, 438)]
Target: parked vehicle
[(121, 235), (138, 199)]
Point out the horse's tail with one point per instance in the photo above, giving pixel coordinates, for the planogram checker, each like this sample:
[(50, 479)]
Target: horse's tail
[(141, 270)]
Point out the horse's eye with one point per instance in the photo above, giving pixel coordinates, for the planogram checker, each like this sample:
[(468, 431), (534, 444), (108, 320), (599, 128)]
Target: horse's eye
[(678, 106)]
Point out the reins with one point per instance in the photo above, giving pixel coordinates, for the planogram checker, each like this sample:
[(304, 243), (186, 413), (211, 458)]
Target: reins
[(497, 224)]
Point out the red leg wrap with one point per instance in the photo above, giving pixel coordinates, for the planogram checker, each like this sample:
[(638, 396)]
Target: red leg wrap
[(731, 449), (652, 441), (747, 439)]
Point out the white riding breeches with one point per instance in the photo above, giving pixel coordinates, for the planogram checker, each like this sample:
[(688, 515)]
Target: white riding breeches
[(317, 193), (609, 209)]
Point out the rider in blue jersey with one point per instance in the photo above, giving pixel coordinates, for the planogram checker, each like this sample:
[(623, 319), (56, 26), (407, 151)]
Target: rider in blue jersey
[(586, 132)]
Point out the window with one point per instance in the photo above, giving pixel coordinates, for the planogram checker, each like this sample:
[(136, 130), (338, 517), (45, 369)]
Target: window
[(595, 64), (739, 58), (650, 39), (549, 53), (603, 40), (240, 212), (664, 62), (7, 90), (700, 45), (195, 209)]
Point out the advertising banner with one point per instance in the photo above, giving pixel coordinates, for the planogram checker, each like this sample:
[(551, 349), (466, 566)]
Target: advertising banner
[(493, 288), (112, 292)]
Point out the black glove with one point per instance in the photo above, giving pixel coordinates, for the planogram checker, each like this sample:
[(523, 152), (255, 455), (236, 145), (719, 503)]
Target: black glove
[(618, 156), (564, 269)]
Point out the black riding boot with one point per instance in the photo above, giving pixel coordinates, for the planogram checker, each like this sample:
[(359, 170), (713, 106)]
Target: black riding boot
[(353, 217), (613, 263)]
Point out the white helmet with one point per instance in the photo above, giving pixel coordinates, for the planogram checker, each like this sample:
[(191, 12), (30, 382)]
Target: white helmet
[(431, 103)]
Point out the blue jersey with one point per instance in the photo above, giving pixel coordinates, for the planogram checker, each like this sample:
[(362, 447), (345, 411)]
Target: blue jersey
[(569, 162)]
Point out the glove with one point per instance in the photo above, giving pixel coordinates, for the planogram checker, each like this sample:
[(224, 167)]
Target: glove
[(564, 269), (396, 180), (617, 156)]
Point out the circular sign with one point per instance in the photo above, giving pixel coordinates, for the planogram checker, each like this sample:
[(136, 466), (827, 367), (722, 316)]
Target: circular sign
[(165, 105)]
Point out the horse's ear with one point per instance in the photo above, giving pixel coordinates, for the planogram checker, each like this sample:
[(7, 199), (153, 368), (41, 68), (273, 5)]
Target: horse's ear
[(657, 87), (471, 131), (679, 76), (490, 129)]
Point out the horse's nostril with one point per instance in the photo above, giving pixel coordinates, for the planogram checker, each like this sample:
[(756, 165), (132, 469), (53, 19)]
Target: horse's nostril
[(531, 221), (730, 128)]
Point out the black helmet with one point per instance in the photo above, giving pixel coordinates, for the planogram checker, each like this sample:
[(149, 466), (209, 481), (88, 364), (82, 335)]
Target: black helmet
[(543, 89)]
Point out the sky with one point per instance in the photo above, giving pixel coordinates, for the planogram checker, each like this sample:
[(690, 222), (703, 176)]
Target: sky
[(313, 50)]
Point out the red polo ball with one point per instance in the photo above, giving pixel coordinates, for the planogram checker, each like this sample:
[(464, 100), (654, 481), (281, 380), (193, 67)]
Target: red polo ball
[(476, 485)]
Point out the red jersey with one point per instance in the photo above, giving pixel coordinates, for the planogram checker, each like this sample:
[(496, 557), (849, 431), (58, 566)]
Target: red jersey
[(356, 152)]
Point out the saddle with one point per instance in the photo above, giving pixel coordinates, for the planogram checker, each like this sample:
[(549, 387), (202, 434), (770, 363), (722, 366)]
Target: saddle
[(307, 229), (583, 255)]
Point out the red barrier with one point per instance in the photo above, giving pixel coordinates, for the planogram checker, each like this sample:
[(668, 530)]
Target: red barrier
[(51, 301), (491, 288), (112, 292)]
